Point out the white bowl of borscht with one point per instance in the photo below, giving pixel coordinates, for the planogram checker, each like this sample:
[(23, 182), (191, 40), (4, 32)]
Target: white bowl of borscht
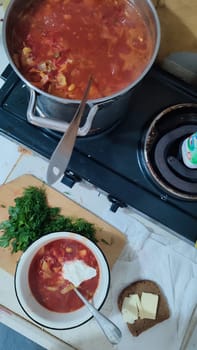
[(42, 282)]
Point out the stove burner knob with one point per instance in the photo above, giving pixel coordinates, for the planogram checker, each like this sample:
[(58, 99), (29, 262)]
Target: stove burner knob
[(70, 178), (116, 203)]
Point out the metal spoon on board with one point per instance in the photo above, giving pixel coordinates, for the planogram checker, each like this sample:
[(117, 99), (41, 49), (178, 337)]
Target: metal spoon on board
[(111, 331), (61, 155)]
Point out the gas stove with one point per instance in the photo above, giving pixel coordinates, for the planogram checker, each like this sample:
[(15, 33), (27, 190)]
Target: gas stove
[(127, 161)]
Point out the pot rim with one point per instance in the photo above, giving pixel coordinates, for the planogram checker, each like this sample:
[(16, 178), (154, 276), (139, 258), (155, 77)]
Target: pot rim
[(90, 101)]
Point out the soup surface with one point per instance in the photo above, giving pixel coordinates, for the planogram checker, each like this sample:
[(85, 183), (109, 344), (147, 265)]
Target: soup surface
[(58, 44), (47, 281)]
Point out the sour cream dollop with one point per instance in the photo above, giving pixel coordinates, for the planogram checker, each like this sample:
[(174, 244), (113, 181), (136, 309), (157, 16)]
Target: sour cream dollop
[(77, 271)]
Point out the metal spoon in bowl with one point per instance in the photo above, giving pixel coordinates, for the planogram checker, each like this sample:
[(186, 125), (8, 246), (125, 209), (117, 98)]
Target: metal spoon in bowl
[(111, 331), (76, 272), (61, 156)]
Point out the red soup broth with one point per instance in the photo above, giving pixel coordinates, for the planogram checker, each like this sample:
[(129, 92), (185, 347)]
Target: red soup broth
[(46, 279), (58, 44)]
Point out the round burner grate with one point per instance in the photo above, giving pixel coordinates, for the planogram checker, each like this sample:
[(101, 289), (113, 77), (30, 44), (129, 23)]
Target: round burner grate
[(162, 150)]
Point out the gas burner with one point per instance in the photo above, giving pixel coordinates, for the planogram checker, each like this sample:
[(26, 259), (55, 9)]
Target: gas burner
[(162, 150)]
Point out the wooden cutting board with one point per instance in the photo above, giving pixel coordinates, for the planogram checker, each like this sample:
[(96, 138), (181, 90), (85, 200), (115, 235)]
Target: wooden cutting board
[(15, 188)]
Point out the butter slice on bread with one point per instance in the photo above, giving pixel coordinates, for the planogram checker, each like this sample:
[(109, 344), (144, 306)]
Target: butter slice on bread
[(139, 287)]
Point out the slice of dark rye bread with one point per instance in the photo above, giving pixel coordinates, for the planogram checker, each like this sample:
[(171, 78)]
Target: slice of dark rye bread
[(146, 286)]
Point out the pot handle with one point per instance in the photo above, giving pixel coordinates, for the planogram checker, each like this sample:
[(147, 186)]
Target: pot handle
[(57, 125)]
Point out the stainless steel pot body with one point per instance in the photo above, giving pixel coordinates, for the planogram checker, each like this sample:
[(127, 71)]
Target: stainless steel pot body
[(49, 111)]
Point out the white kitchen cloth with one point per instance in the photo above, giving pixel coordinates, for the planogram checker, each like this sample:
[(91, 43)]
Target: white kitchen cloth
[(135, 231), (177, 277)]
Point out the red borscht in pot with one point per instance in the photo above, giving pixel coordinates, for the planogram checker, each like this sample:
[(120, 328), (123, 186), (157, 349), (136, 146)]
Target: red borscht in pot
[(57, 45)]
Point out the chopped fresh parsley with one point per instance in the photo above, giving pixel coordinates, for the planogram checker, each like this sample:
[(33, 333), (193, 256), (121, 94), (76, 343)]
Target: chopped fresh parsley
[(32, 217)]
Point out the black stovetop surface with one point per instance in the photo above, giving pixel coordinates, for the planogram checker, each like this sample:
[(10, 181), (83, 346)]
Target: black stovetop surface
[(110, 160)]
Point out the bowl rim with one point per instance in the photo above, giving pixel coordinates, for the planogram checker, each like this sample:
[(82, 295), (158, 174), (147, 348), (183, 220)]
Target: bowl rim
[(43, 241)]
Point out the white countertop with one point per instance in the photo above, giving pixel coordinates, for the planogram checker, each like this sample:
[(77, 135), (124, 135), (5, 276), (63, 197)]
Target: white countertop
[(17, 161)]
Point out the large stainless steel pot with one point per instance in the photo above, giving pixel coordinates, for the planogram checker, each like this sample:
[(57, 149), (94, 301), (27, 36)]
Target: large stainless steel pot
[(55, 113)]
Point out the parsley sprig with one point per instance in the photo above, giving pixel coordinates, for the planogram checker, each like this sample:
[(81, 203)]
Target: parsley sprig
[(32, 217)]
